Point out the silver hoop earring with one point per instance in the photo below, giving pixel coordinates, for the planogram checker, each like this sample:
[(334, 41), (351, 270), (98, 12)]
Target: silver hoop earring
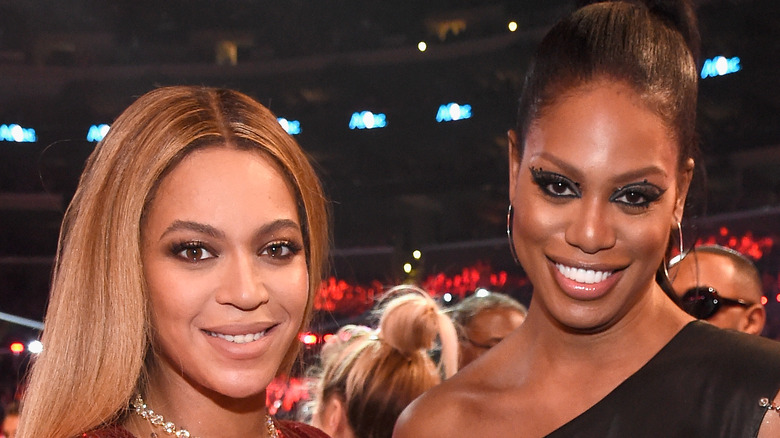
[(681, 249), (510, 214), (680, 237)]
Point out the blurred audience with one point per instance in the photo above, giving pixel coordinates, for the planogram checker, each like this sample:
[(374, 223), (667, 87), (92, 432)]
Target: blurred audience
[(482, 321), (11, 420), (367, 377), (721, 286)]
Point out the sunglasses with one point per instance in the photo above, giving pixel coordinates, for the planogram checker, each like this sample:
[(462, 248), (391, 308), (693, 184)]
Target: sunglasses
[(703, 301)]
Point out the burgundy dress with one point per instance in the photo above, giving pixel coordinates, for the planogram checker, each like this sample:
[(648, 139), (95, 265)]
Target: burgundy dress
[(287, 429)]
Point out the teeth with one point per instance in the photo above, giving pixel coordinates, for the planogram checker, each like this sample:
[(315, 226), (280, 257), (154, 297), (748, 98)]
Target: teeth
[(238, 339), (587, 276)]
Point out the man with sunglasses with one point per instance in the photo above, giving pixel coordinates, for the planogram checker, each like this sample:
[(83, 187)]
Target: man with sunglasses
[(482, 321), (721, 286)]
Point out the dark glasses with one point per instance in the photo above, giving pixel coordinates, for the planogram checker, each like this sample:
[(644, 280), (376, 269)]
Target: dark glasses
[(703, 301)]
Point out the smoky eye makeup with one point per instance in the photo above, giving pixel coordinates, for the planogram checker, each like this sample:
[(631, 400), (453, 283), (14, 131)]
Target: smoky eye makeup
[(637, 195), (554, 184), (192, 251)]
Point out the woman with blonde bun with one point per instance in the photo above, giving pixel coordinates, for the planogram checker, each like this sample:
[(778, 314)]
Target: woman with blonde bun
[(367, 379)]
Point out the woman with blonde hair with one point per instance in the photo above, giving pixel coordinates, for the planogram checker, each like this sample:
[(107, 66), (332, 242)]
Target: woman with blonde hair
[(186, 267), (368, 378)]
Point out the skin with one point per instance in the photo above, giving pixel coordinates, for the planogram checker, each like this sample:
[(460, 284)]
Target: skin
[(720, 273), (579, 341), (10, 423), (223, 253), (331, 418), (485, 330)]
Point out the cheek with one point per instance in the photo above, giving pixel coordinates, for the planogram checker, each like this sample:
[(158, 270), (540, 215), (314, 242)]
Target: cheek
[(646, 238), (534, 224), (290, 288)]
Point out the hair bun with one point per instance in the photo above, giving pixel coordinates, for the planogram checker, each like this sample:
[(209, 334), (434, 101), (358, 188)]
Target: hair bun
[(410, 323)]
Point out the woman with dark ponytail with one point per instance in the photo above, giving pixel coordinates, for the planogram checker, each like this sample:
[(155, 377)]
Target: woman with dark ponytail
[(600, 164)]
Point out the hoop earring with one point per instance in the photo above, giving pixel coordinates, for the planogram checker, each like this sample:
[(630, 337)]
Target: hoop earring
[(680, 237), (681, 249), (510, 214)]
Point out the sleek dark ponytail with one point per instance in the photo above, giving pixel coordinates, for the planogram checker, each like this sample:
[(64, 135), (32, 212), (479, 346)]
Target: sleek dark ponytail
[(651, 46)]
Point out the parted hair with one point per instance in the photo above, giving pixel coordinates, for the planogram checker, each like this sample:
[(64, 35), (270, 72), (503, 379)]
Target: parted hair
[(97, 333), (377, 376)]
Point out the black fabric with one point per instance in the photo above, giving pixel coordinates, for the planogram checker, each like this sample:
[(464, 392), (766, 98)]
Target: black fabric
[(706, 382)]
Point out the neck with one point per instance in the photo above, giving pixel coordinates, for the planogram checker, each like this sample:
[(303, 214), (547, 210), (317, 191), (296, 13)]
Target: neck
[(202, 412), (632, 339)]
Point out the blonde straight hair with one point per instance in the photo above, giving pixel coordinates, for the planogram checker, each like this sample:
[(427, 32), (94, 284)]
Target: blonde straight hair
[(97, 333)]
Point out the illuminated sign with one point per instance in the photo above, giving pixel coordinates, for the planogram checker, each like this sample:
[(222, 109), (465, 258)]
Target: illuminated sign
[(17, 134), (293, 127), (719, 66), (452, 112), (367, 120), (97, 132)]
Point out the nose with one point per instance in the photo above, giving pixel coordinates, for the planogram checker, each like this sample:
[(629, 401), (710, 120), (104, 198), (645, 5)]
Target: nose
[(242, 284), (591, 229)]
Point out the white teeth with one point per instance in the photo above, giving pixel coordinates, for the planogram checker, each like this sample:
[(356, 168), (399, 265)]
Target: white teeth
[(238, 339), (586, 276)]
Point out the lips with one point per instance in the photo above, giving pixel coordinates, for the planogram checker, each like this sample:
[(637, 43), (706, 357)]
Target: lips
[(238, 339), (585, 276)]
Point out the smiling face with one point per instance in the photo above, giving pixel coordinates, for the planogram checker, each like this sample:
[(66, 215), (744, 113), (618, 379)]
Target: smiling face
[(224, 263), (596, 193)]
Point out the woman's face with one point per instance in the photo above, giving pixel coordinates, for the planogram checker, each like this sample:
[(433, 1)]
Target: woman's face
[(596, 193), (224, 263)]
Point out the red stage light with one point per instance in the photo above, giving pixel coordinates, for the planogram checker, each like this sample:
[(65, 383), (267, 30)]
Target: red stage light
[(764, 300), (17, 347), (308, 338), (327, 337)]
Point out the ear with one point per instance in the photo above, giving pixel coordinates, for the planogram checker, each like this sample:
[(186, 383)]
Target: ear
[(684, 183), (333, 417), (754, 319), (514, 161)]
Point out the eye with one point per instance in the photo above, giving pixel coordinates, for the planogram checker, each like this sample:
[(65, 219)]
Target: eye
[(192, 251), (281, 250), (554, 184), (639, 195)]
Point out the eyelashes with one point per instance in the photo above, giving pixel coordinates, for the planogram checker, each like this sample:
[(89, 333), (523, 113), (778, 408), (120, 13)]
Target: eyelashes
[(638, 195), (194, 251), (554, 184)]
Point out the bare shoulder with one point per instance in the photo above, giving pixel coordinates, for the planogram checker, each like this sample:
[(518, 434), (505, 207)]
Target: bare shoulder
[(453, 408), (437, 413)]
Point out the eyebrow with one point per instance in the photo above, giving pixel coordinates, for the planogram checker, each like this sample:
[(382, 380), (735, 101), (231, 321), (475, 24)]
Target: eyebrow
[(269, 228), (631, 175)]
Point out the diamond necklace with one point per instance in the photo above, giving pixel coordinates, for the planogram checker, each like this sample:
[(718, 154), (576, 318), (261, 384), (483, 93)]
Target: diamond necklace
[(157, 420)]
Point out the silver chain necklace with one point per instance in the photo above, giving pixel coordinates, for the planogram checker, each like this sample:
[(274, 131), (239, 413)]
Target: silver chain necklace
[(157, 420)]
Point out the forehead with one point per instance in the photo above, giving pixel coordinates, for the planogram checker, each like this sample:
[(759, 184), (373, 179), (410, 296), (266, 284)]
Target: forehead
[(497, 317), (223, 185), (602, 124), (705, 269)]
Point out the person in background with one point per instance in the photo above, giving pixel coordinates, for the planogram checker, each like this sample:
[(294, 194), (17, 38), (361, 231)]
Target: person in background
[(11, 420), (186, 268), (367, 378), (483, 320), (721, 286), (600, 162)]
